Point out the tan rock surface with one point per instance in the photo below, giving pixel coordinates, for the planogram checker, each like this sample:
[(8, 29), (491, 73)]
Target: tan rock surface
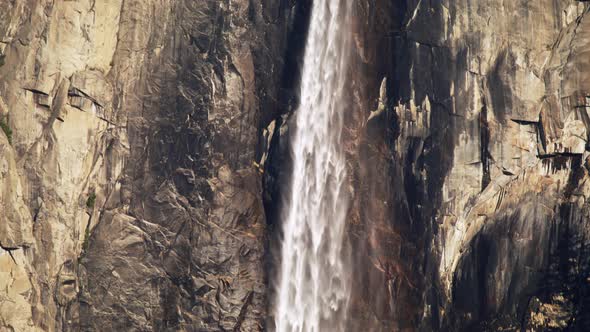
[(124, 115)]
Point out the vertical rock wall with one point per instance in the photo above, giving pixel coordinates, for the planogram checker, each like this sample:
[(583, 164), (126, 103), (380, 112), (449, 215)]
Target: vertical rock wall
[(143, 157), (471, 163), (130, 186)]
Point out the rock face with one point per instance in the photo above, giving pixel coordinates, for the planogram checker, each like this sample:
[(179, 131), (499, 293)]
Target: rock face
[(472, 165), (130, 192), (144, 154)]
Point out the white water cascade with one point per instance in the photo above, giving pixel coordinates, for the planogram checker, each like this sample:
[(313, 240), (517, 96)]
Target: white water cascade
[(314, 280)]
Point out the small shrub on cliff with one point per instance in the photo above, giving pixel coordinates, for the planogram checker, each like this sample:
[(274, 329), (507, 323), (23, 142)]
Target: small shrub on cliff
[(2, 56), (6, 129), (91, 200)]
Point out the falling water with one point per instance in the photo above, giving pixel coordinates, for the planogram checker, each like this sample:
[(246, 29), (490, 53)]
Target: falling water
[(314, 285)]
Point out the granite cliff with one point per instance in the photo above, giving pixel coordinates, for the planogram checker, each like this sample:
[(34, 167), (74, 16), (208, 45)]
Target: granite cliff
[(144, 157)]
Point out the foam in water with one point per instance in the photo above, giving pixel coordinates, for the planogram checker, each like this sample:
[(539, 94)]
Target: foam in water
[(314, 281)]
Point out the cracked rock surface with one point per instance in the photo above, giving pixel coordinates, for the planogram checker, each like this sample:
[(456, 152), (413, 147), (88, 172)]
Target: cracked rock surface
[(472, 165), (129, 192), (144, 156)]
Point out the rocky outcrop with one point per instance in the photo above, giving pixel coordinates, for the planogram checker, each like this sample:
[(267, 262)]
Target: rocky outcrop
[(130, 186), (483, 143)]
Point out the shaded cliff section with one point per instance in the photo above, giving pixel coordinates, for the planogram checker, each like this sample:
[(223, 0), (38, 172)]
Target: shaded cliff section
[(131, 179), (471, 166)]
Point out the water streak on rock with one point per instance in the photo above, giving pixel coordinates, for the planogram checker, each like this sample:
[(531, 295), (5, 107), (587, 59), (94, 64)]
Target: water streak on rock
[(313, 286)]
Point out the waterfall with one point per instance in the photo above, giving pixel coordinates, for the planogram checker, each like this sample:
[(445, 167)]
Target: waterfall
[(314, 280)]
